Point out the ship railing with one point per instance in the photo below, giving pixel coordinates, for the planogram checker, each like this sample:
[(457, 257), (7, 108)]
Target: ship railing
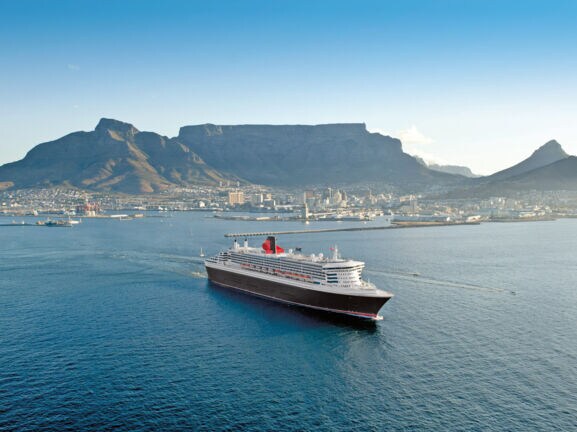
[(368, 285)]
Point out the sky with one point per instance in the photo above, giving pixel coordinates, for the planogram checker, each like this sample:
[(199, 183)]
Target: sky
[(468, 82)]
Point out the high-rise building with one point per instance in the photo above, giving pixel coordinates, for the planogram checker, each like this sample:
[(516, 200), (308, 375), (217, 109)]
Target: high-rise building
[(236, 198), (257, 199)]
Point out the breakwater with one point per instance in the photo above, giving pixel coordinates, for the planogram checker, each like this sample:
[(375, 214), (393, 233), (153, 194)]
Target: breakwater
[(372, 228)]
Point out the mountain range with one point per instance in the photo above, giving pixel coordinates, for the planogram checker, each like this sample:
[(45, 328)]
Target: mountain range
[(449, 169), (117, 157)]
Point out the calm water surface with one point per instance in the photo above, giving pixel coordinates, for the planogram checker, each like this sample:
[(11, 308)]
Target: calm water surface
[(108, 326)]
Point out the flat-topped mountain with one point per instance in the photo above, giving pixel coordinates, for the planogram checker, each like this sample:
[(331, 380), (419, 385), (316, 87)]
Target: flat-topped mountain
[(118, 157), (301, 155), (115, 156)]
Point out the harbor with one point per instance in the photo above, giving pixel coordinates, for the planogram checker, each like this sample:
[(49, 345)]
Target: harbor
[(69, 222)]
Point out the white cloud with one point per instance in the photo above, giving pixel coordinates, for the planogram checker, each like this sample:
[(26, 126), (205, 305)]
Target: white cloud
[(414, 137), (429, 158), (416, 143), (413, 143)]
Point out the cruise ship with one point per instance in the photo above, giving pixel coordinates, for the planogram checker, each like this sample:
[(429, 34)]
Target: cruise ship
[(330, 283)]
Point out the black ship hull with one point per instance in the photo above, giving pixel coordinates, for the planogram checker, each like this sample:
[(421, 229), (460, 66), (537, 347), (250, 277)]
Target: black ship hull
[(360, 306)]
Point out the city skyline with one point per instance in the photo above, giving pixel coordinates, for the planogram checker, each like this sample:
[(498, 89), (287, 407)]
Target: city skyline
[(472, 83)]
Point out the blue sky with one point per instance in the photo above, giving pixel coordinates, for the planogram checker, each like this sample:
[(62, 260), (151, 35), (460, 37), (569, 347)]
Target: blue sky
[(479, 83)]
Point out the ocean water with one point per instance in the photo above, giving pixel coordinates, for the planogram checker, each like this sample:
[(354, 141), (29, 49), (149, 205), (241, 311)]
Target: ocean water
[(110, 325)]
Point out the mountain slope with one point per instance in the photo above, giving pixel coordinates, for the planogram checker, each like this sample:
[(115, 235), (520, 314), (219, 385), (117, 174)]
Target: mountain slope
[(559, 175), (115, 156), (449, 169), (305, 155), (118, 157), (546, 154), (454, 169), (556, 176)]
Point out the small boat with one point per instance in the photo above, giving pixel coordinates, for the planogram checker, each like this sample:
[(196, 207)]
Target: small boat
[(58, 223)]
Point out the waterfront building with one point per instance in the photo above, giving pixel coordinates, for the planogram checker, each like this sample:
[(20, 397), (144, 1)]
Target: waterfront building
[(236, 198)]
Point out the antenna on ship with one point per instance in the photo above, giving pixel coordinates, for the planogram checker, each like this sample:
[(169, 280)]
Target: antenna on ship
[(335, 250)]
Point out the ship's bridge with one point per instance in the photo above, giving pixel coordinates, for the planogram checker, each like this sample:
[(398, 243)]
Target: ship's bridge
[(345, 273)]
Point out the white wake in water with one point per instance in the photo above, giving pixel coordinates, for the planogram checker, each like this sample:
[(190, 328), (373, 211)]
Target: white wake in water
[(193, 267), (417, 278)]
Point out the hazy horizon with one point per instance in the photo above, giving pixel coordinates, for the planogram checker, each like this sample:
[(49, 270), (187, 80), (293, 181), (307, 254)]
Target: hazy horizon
[(459, 82)]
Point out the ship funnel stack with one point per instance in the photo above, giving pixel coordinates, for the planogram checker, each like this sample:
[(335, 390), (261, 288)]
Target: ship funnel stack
[(272, 243), (270, 246)]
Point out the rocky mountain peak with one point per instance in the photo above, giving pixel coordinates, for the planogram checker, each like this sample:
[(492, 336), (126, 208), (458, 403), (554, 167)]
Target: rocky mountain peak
[(551, 150), (548, 153), (106, 125)]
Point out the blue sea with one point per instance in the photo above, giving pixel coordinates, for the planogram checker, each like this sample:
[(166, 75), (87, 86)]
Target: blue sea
[(111, 325)]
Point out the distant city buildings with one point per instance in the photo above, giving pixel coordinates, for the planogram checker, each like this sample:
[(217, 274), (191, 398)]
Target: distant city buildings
[(235, 198), (326, 203), (87, 209)]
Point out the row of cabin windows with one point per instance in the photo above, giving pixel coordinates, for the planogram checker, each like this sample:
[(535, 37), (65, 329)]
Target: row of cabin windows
[(332, 278), (283, 266), (270, 270), (274, 260)]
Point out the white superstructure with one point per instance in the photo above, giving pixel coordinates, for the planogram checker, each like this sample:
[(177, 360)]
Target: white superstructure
[(332, 273)]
